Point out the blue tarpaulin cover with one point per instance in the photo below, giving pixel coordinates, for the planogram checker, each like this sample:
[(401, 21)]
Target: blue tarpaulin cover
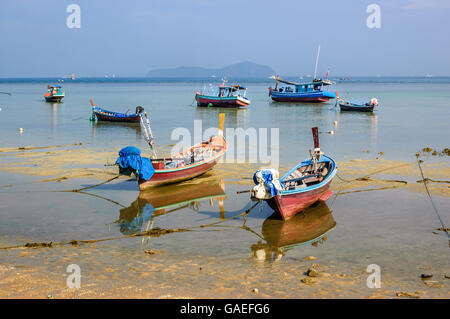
[(268, 177), (130, 157)]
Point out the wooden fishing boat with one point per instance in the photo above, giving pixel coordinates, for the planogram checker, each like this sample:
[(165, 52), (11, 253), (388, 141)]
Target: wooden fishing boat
[(303, 185), (110, 116), (169, 199), (310, 227), (188, 164), (361, 107), (54, 93), (227, 96), (303, 92)]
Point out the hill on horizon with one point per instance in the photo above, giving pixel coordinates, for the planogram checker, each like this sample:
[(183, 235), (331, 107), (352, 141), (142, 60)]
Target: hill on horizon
[(238, 70)]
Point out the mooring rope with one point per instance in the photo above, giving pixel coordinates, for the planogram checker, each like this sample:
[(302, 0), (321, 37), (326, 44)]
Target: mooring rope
[(156, 232), (444, 229), (92, 186)]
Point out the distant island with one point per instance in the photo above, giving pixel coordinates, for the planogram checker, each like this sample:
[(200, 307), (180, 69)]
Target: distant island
[(239, 70)]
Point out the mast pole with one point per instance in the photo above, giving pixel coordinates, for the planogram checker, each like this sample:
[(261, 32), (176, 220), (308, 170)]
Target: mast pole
[(317, 62)]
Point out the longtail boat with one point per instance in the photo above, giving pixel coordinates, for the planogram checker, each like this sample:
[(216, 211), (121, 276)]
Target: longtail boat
[(302, 186), (361, 107), (187, 164), (226, 96), (110, 116), (310, 227), (54, 93), (303, 92), (169, 199)]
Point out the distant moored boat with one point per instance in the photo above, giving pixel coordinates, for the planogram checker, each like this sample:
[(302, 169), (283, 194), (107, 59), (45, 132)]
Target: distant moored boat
[(227, 96), (54, 93), (110, 116), (358, 107), (303, 92)]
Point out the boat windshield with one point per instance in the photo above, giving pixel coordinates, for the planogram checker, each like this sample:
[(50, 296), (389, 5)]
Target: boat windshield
[(229, 91)]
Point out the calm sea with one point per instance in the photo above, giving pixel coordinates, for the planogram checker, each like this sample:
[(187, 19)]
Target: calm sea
[(413, 113)]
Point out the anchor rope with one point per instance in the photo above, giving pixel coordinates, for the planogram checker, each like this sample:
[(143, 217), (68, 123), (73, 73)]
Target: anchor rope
[(432, 202)]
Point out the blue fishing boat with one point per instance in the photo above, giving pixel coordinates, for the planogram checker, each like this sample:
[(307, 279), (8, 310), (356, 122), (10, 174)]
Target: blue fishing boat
[(110, 116), (316, 91), (302, 92), (358, 107)]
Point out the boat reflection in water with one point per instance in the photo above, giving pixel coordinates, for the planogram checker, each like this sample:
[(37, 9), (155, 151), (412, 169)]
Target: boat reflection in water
[(168, 199), (309, 227)]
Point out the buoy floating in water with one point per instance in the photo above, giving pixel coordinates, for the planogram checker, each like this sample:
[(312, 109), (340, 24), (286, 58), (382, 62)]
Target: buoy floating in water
[(335, 123)]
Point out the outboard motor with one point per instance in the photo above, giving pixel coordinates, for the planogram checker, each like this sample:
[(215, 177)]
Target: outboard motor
[(139, 109), (267, 184), (374, 101)]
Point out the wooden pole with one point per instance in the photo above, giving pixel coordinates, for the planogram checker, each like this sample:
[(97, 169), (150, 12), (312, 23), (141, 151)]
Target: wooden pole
[(221, 123), (315, 132)]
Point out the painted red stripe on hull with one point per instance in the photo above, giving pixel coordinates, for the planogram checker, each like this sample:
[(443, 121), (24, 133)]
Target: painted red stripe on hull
[(160, 177), (224, 103)]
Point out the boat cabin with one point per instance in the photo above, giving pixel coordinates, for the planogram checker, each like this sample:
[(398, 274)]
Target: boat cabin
[(54, 89), (315, 85), (233, 90)]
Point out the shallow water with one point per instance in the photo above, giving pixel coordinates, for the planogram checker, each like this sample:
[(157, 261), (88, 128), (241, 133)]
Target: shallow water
[(393, 228)]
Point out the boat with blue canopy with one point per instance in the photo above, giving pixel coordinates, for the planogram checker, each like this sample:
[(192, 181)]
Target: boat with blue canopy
[(302, 92), (316, 91)]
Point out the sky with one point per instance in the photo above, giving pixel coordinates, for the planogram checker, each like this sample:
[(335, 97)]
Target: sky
[(130, 38)]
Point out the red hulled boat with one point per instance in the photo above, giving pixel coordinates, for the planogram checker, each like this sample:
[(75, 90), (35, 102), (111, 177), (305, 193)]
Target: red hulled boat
[(227, 96), (187, 164), (302, 186)]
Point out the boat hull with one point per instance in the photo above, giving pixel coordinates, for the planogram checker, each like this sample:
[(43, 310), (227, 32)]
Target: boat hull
[(175, 175), (291, 202), (319, 96), (163, 177), (54, 98), (135, 118), (234, 101), (290, 205), (357, 108)]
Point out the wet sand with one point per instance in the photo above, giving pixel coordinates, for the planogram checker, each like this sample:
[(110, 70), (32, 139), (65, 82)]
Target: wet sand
[(39, 273), (382, 212)]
